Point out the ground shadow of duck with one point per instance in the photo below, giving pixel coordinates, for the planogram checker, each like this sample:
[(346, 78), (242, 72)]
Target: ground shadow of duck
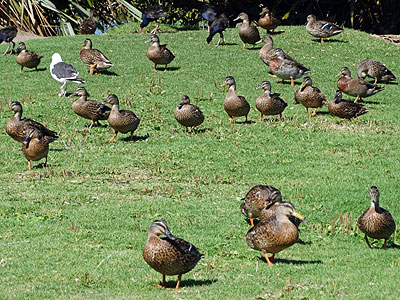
[(109, 73), (136, 138), (169, 69), (37, 70), (245, 122), (330, 41), (293, 261), (191, 283)]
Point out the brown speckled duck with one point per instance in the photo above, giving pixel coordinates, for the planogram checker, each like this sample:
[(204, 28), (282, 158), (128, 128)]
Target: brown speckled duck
[(36, 146), (187, 114), (235, 106), (286, 68), (269, 104), (170, 255), (93, 58), (376, 222), (356, 87), (89, 109), (257, 198), (321, 29), (158, 54), (344, 109), (374, 69), (88, 25), (275, 234), (18, 128), (267, 20), (27, 58), (123, 121), (270, 211), (248, 33), (309, 96)]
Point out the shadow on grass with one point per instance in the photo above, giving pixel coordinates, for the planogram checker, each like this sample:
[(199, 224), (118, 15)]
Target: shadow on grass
[(97, 125), (329, 41), (276, 32), (33, 70), (168, 69), (136, 138), (293, 261), (105, 72), (287, 82), (244, 122), (254, 48), (229, 44), (190, 282), (361, 101)]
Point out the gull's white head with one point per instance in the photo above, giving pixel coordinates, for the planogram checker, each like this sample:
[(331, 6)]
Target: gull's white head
[(56, 58)]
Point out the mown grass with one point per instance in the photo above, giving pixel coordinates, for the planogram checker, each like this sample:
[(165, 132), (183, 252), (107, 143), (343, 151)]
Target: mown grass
[(76, 230)]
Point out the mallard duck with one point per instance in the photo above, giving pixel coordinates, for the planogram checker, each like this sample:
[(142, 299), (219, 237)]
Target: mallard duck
[(275, 234), (356, 87), (150, 14), (36, 146), (267, 20), (257, 198), (63, 72), (93, 58), (218, 26), (89, 109), (158, 54), (321, 29), (235, 106), (7, 34), (18, 128), (187, 114), (123, 121), (309, 95), (285, 68), (270, 211), (269, 104), (374, 69), (27, 58), (248, 33), (88, 26), (344, 109), (170, 255), (376, 222)]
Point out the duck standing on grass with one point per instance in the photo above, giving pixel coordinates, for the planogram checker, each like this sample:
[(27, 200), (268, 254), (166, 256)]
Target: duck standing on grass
[(321, 29), (284, 67), (309, 96), (170, 255), (27, 58), (374, 69), (276, 233), (94, 58), (343, 108), (123, 121), (257, 198), (218, 26), (376, 222), (18, 127), (187, 114), (158, 54), (248, 33), (269, 104), (235, 106), (355, 87), (36, 146), (267, 20), (63, 72), (89, 109)]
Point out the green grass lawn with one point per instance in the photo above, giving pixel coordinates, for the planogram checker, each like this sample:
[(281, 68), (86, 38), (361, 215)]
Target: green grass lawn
[(76, 230)]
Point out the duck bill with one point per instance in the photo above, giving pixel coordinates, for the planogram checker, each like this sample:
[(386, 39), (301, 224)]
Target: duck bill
[(180, 105), (296, 214), (26, 141), (259, 42), (169, 235), (338, 74), (224, 84), (73, 94), (148, 41), (234, 20)]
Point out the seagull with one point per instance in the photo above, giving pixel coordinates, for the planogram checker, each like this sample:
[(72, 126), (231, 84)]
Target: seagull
[(63, 72)]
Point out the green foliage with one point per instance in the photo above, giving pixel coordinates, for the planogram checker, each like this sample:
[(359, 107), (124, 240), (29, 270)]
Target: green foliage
[(76, 230)]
